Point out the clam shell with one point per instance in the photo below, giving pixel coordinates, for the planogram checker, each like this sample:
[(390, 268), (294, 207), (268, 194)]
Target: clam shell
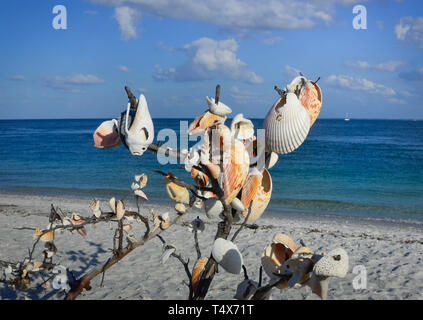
[(204, 121), (180, 208), (141, 194), (112, 204), (286, 241), (287, 125), (256, 194), (197, 272), (107, 135), (236, 163), (120, 209), (311, 99), (271, 160), (227, 255), (175, 192)]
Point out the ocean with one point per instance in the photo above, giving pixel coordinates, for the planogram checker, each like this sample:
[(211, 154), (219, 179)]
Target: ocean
[(370, 168)]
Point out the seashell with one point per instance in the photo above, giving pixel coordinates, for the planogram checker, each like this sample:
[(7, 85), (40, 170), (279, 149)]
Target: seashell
[(120, 209), (127, 227), (300, 265), (246, 290), (227, 255), (135, 186), (214, 170), (271, 160), (311, 99), (286, 241), (236, 163), (167, 252), (242, 128), (180, 208), (8, 270), (165, 224), (175, 192), (196, 225), (192, 159), (213, 207), (141, 180), (112, 204), (256, 194), (287, 125), (82, 231), (200, 178), (296, 85), (140, 134), (141, 194), (197, 272), (107, 135), (203, 122), (77, 219), (131, 239), (198, 203), (219, 108), (45, 235), (237, 205), (334, 264), (48, 254), (95, 205)]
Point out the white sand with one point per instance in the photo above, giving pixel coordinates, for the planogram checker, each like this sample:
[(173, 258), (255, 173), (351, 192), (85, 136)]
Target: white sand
[(391, 252)]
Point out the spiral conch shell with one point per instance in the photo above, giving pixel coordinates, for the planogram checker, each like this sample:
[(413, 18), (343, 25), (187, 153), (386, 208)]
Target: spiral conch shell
[(256, 194), (287, 124)]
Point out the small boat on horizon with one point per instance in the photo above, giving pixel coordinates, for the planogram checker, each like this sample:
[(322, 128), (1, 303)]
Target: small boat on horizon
[(346, 117)]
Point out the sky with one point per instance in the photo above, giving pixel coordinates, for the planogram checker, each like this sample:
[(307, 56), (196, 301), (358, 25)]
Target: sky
[(176, 52)]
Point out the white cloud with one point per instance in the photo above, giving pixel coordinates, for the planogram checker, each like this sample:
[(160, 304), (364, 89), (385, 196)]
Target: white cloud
[(206, 58), (272, 40), (386, 66), (410, 29), (360, 84), (243, 14), (17, 77), (123, 68), (127, 18), (292, 71), (73, 82), (397, 101)]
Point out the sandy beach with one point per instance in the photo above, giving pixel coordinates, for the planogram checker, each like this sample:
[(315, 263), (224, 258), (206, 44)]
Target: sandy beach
[(390, 251)]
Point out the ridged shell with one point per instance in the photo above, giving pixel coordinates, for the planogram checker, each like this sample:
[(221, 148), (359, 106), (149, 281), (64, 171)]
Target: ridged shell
[(256, 192), (227, 255), (311, 99), (287, 125), (236, 164), (197, 272)]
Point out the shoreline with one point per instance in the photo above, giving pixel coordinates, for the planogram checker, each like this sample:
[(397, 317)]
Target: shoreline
[(33, 191)]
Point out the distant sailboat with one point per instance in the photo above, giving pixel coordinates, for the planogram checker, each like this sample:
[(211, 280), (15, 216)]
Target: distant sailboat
[(347, 118)]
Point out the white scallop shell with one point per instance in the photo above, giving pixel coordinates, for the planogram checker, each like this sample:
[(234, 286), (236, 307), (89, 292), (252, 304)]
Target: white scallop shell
[(227, 255), (287, 125)]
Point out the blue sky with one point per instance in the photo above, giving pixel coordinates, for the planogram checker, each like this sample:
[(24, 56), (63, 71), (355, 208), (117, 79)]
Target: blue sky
[(175, 52)]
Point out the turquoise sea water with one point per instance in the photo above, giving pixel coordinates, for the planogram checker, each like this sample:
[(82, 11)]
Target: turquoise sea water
[(362, 167)]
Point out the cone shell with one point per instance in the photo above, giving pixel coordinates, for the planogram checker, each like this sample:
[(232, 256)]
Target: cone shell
[(311, 99), (287, 125), (197, 272), (227, 255), (256, 194), (106, 135)]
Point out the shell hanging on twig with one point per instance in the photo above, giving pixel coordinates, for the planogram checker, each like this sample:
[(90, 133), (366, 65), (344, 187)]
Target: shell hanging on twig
[(287, 125), (107, 135), (242, 128), (197, 272), (227, 255)]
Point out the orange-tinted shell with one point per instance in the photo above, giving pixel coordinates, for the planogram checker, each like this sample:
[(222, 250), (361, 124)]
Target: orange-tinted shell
[(235, 169), (203, 121), (311, 99), (175, 192), (197, 272), (106, 135), (48, 236), (273, 256), (256, 192), (286, 241), (200, 178)]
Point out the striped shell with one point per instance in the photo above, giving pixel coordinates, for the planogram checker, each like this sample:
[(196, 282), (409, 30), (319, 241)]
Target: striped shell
[(311, 99), (256, 192), (197, 272), (287, 125), (236, 164)]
